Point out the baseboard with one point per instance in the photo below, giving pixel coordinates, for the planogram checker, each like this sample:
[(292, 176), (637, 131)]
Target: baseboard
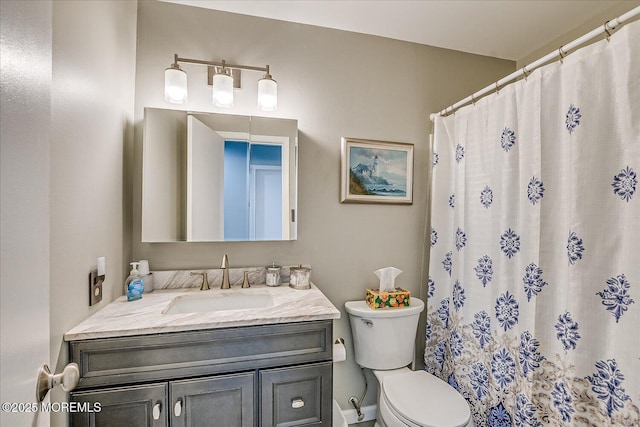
[(352, 416)]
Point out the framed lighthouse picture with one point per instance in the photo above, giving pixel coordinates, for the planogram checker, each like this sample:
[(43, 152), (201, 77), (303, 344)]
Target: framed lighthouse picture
[(376, 172)]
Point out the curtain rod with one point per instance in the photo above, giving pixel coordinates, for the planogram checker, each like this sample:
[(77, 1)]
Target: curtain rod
[(527, 69)]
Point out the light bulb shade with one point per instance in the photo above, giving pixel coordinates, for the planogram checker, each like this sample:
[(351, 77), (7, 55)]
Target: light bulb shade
[(267, 94), (222, 95), (175, 85)]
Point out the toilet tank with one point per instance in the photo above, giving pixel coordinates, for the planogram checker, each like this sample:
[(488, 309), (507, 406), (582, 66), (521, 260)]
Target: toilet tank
[(384, 338)]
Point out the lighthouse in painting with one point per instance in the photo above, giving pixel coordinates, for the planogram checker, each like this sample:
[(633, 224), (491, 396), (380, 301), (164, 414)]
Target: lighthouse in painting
[(374, 168)]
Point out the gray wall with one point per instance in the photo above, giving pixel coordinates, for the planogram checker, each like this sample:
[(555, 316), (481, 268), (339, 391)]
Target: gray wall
[(91, 128), (573, 33), (335, 84), (67, 117)]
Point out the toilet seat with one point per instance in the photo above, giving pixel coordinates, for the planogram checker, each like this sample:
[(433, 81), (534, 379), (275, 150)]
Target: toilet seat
[(420, 399)]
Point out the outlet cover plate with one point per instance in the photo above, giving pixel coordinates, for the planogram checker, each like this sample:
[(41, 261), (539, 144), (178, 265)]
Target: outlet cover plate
[(95, 287)]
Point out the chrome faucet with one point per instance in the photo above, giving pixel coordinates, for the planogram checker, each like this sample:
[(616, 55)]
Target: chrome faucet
[(225, 272), (205, 280)]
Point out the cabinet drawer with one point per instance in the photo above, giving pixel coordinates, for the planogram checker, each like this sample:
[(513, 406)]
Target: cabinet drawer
[(128, 360), (140, 406), (296, 396)]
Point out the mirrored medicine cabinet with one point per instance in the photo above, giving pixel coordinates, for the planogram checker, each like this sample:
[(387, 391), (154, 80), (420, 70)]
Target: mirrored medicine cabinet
[(209, 177)]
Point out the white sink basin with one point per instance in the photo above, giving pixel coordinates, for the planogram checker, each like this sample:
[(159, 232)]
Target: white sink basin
[(208, 303)]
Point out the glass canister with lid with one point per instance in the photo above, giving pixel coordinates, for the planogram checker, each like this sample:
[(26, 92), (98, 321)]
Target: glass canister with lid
[(273, 275), (300, 277)]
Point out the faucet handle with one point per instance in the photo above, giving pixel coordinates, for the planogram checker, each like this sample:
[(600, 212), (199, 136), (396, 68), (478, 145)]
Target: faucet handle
[(225, 261), (205, 280)]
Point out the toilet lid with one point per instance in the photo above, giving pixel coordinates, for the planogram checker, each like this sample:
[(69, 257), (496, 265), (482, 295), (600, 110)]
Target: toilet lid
[(425, 400)]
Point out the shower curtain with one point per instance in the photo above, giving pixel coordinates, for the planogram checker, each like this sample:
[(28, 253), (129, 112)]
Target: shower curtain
[(534, 265)]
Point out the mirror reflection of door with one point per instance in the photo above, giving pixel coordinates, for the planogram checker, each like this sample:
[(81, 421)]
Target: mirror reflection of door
[(253, 196), (265, 192), (234, 188), (205, 182), (236, 185)]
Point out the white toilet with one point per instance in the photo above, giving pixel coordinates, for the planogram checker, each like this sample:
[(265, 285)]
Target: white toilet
[(384, 342)]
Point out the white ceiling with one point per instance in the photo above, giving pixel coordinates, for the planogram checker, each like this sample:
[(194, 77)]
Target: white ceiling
[(506, 29)]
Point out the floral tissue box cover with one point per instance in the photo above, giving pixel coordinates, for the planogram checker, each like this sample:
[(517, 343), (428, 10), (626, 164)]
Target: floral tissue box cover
[(397, 299)]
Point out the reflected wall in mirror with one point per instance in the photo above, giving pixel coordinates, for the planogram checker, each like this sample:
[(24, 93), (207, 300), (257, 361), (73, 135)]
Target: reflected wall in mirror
[(209, 177)]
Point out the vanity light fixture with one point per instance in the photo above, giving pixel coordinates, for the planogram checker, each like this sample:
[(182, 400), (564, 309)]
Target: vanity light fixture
[(267, 92), (222, 93), (175, 83)]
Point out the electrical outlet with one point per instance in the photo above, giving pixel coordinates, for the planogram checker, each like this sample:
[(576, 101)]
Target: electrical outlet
[(95, 287)]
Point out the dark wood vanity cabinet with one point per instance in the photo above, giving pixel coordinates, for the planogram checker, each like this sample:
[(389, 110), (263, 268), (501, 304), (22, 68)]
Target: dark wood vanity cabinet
[(225, 400), (140, 406), (295, 396), (254, 376)]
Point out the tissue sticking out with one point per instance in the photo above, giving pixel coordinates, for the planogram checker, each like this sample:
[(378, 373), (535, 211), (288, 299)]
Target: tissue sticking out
[(387, 278), (387, 295)]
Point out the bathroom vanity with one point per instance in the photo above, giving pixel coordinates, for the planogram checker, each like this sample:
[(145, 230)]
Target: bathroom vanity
[(144, 363)]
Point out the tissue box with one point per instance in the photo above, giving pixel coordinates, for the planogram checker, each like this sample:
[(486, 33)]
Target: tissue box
[(397, 299)]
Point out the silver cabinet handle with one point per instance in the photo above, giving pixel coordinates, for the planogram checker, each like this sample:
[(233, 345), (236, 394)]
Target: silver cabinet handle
[(156, 411), (297, 403), (177, 408), (67, 379)]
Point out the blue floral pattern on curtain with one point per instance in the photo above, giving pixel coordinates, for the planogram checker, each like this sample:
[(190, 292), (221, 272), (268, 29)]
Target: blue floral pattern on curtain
[(534, 270)]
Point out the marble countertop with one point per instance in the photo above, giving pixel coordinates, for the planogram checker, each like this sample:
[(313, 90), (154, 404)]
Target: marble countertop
[(145, 316)]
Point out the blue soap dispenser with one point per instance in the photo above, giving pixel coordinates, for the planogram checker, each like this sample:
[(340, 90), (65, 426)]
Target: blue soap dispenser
[(133, 286)]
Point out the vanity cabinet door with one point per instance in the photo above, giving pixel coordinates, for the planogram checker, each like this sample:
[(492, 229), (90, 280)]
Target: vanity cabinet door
[(296, 396), (140, 406), (221, 401)]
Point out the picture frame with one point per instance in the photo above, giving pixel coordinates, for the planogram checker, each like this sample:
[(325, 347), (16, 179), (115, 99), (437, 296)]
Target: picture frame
[(374, 171)]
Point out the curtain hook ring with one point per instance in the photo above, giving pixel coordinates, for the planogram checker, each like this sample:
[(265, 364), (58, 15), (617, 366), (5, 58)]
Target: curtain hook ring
[(562, 54), (525, 72), (497, 89), (606, 30), (473, 100)]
